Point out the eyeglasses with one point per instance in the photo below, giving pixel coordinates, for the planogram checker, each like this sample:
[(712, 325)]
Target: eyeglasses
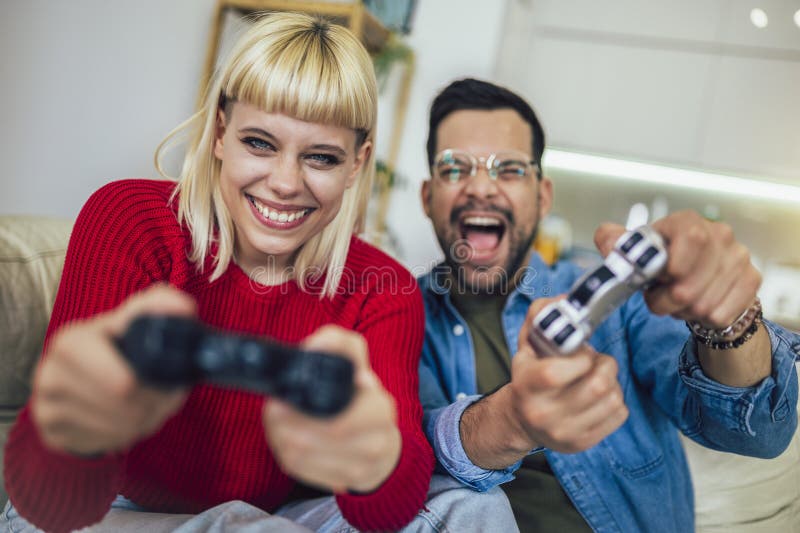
[(456, 166)]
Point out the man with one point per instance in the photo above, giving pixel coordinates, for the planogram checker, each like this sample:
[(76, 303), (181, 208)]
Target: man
[(587, 441)]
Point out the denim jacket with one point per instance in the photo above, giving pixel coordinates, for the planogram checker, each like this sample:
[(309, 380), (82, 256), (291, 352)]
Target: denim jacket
[(637, 478)]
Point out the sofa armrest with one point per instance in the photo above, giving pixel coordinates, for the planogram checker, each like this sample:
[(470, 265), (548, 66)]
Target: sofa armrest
[(32, 253), (737, 493)]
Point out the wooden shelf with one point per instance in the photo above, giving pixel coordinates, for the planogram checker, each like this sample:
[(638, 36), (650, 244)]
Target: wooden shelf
[(351, 14)]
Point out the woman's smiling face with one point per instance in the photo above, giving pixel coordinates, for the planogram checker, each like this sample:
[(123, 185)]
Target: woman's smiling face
[(282, 180)]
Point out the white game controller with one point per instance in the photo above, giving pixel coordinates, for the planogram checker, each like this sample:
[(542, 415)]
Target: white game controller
[(637, 259)]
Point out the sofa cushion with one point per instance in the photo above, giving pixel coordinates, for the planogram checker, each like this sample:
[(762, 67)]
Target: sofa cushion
[(31, 256), (745, 494)]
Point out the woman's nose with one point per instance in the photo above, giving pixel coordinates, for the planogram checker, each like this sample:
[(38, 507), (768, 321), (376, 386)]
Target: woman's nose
[(286, 177)]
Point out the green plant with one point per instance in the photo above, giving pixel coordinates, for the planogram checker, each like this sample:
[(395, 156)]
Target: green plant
[(393, 51)]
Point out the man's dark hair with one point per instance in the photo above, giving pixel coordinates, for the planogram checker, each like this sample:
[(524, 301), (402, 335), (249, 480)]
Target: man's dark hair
[(470, 93)]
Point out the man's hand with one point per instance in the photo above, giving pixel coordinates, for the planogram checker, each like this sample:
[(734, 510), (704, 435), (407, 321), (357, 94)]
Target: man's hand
[(86, 399), (567, 404), (709, 277), (357, 449)]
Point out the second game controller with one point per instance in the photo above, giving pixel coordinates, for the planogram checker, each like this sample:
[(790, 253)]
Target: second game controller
[(637, 259)]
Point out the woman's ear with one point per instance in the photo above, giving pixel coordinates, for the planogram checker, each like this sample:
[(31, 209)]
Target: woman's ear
[(362, 156), (219, 133)]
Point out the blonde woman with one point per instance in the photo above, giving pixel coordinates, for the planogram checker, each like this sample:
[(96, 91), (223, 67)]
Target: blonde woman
[(256, 236)]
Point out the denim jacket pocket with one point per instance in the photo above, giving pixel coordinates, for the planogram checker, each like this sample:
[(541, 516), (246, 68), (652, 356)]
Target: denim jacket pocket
[(633, 449)]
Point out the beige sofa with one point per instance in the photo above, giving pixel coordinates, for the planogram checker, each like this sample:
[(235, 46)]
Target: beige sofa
[(733, 493), (31, 256)]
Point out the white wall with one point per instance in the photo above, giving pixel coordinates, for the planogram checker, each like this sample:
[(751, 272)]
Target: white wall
[(452, 39), (89, 88), (687, 82)]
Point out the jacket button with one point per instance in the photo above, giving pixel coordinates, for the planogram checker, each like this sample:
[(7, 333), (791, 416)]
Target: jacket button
[(458, 330)]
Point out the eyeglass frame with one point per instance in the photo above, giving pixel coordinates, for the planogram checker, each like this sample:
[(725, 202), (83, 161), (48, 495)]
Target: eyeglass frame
[(484, 162)]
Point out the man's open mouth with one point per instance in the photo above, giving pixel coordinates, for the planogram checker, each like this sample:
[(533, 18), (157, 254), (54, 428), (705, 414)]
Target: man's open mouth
[(483, 233)]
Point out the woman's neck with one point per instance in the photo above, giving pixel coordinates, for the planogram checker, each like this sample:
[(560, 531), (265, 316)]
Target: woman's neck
[(266, 272)]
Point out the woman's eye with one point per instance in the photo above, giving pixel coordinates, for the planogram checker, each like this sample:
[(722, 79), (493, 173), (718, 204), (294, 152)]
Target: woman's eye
[(323, 160), (257, 144)]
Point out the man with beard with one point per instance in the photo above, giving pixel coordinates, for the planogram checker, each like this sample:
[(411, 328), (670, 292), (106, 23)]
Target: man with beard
[(587, 441)]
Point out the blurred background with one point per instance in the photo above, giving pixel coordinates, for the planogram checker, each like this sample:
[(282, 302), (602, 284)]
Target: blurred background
[(649, 106)]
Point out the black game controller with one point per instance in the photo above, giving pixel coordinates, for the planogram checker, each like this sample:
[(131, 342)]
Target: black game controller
[(169, 351)]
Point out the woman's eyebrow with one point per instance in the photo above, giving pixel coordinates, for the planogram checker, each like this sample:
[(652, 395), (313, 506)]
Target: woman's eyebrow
[(329, 147), (258, 131)]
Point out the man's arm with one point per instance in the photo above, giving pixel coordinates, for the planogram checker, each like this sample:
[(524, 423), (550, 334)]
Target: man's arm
[(480, 441), (492, 437), (740, 400), (744, 366), (709, 279), (566, 404)]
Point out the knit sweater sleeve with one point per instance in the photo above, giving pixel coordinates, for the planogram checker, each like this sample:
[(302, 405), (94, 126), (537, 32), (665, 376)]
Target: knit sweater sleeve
[(393, 325), (125, 238)]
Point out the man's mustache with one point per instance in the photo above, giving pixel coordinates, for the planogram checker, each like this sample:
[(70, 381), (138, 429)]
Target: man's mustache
[(456, 213)]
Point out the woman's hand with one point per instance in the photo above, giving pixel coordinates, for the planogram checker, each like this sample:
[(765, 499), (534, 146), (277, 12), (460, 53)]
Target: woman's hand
[(356, 450), (86, 399)]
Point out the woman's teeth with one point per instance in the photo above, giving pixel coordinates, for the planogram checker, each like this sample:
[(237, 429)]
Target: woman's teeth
[(274, 214)]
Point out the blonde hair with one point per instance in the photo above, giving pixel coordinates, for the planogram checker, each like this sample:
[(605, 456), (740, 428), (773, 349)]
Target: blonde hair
[(301, 66)]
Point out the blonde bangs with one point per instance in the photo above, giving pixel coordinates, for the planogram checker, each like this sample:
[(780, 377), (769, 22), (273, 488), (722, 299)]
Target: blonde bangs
[(298, 71)]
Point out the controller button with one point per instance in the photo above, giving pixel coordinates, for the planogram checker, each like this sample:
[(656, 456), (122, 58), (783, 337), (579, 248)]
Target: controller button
[(550, 318), (582, 295), (568, 330), (645, 258), (631, 242)]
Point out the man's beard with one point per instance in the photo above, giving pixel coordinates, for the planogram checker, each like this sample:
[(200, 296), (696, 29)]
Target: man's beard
[(494, 280)]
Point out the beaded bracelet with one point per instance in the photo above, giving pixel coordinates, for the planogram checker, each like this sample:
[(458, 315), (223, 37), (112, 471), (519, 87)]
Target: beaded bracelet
[(740, 331)]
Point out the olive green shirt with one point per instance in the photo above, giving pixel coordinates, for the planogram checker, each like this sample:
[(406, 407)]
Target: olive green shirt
[(537, 499)]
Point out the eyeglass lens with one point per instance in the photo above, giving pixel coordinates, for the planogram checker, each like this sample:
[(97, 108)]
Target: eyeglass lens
[(455, 166)]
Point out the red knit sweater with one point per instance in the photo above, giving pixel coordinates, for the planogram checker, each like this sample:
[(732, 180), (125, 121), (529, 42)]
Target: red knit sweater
[(214, 450)]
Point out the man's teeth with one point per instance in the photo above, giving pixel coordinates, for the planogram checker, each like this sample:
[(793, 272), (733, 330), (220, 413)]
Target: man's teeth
[(280, 216), (481, 221)]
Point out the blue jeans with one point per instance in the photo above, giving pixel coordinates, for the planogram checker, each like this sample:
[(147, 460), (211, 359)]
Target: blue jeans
[(450, 507)]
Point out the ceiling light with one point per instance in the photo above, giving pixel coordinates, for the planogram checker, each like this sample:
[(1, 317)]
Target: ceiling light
[(797, 18), (669, 176), (759, 18)]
